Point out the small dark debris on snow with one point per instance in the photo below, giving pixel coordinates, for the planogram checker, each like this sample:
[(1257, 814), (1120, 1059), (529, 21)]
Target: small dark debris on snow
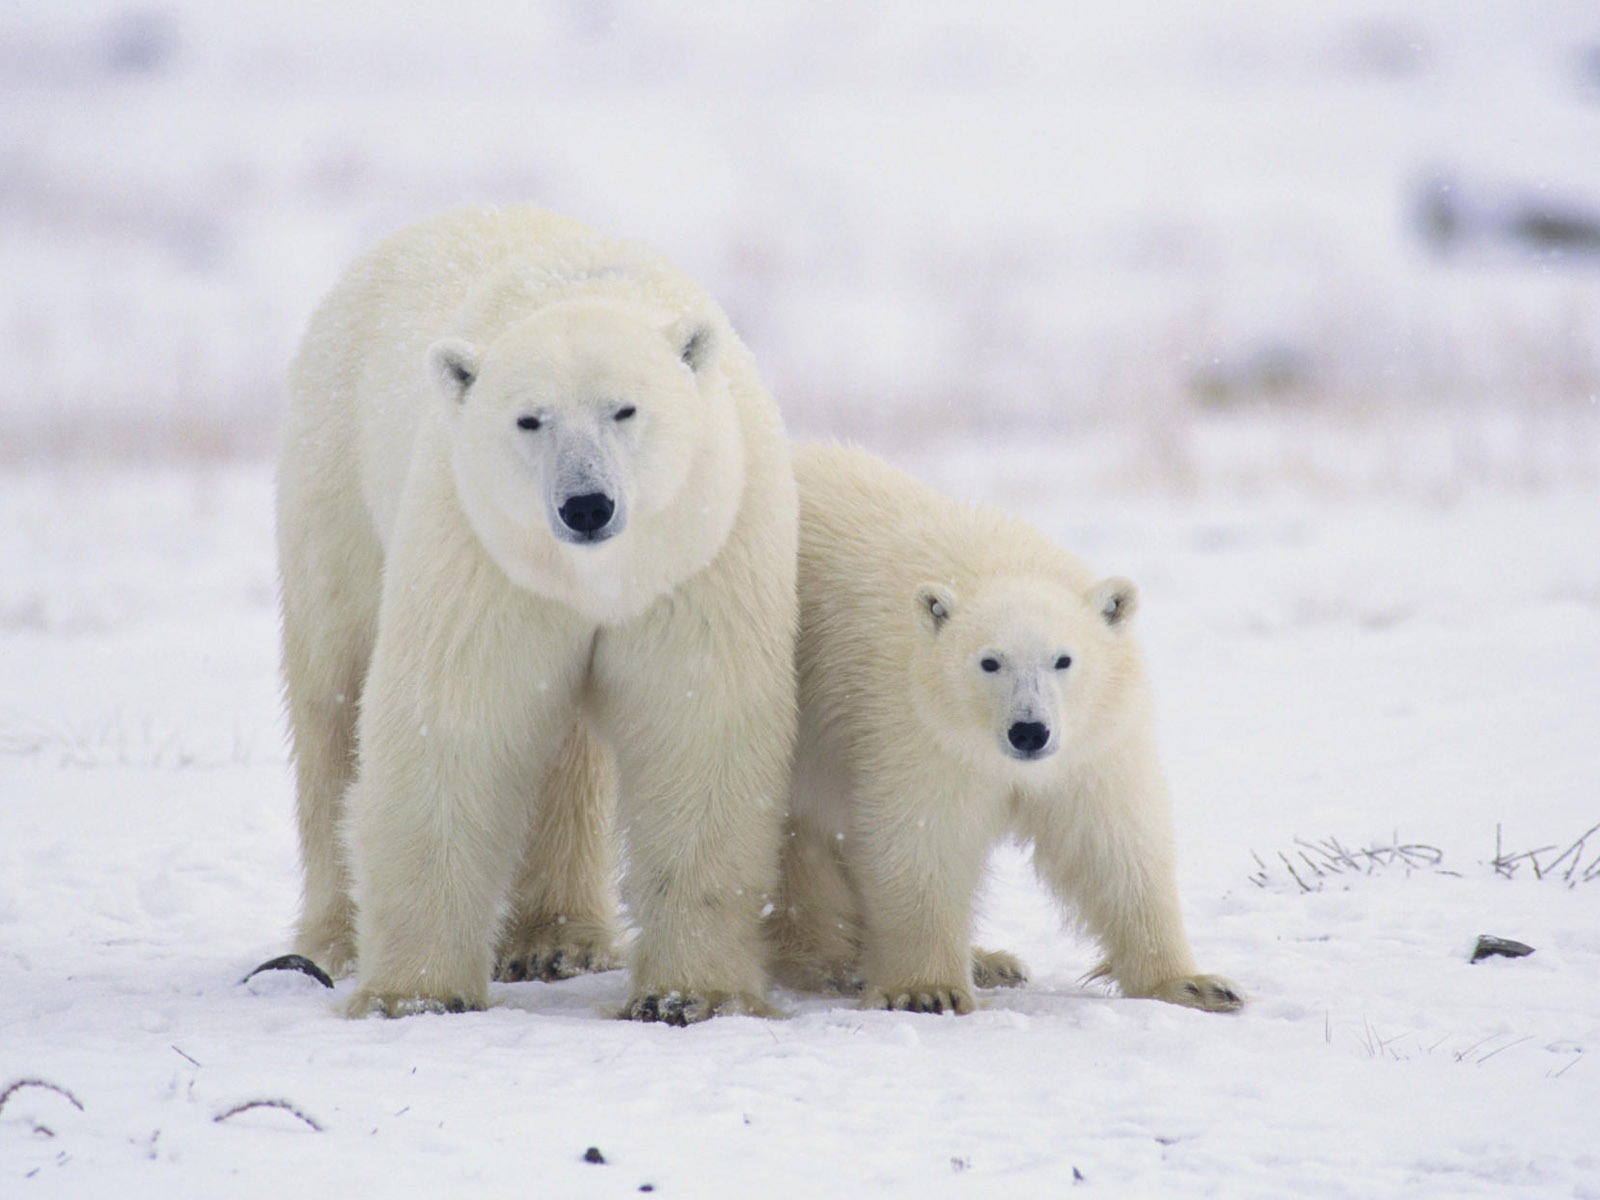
[(16, 1086), (1490, 946), (1077, 1177), (593, 1155), (282, 1105), (292, 962)]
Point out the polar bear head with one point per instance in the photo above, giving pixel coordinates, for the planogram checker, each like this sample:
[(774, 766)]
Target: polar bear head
[(1022, 668), (594, 447)]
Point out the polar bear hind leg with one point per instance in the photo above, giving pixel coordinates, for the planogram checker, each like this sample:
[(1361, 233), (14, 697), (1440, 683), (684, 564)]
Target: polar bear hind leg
[(563, 918)]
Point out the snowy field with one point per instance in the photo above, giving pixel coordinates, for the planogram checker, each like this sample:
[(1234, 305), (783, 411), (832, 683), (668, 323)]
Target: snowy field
[(1165, 282)]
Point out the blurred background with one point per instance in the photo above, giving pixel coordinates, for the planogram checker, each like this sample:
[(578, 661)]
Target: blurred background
[(1349, 245)]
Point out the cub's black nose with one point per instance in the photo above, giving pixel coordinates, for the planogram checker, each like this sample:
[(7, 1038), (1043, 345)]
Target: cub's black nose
[(588, 513), (1029, 737)]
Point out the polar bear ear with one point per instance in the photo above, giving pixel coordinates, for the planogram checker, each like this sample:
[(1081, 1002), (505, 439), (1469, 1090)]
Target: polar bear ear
[(1116, 600), (453, 364), (696, 343), (934, 604)]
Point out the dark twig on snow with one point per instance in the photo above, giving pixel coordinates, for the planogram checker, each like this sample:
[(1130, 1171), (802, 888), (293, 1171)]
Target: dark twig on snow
[(1506, 864), (1503, 1049), (282, 1104), (292, 962), (1313, 863), (1576, 850), (1310, 864), (13, 1088), (1295, 875)]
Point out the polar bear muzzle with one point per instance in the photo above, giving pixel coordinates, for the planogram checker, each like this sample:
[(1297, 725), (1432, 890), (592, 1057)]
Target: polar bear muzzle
[(588, 515), (1029, 739)]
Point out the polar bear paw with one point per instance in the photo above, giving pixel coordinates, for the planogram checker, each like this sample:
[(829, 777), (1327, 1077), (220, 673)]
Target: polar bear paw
[(688, 1008), (367, 1003), (922, 998), (553, 952), (1210, 993), (996, 968)]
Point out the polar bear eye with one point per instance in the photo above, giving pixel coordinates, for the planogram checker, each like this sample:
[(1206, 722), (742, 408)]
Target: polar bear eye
[(528, 422), (1063, 662), (626, 411), (990, 665)]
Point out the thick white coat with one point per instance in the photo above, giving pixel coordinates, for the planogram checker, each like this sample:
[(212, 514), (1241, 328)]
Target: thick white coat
[(473, 678), (962, 678)]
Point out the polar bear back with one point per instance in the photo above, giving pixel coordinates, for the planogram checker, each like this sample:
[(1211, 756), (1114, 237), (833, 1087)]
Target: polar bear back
[(871, 533)]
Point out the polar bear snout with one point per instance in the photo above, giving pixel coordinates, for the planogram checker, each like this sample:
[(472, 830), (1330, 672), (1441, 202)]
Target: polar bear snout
[(588, 516), (1029, 739)]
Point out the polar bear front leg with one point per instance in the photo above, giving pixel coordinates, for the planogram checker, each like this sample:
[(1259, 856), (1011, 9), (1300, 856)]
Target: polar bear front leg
[(699, 708), (915, 853), (471, 693), (563, 918), (1107, 850)]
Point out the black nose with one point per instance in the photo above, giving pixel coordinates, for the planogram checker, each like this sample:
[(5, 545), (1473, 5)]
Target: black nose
[(1029, 737), (588, 512)]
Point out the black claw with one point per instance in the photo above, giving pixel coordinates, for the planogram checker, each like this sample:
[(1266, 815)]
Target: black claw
[(515, 971), (456, 1005), (1192, 989)]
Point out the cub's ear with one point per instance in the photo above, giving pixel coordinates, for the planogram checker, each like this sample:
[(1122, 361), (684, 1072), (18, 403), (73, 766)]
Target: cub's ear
[(934, 604), (453, 365), (696, 343), (1116, 600)]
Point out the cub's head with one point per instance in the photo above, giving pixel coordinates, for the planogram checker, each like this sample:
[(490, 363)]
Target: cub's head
[(577, 420), (1022, 668)]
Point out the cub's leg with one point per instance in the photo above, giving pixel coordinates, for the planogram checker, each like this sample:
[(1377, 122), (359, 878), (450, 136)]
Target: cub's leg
[(815, 927), (915, 855), (1107, 850), (563, 918)]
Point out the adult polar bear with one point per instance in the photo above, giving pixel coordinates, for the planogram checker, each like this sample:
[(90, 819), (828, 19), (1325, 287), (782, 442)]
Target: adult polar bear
[(536, 517), (960, 678)]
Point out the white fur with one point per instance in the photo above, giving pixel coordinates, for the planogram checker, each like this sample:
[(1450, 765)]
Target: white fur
[(473, 680), (934, 638)]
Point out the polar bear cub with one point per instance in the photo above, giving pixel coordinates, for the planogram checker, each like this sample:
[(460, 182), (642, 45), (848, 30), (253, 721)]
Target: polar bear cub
[(962, 678), (536, 528)]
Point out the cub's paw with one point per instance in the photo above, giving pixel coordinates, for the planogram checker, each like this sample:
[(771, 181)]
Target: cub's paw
[(996, 968), (367, 1003), (1210, 993), (922, 998), (688, 1008), (552, 952)]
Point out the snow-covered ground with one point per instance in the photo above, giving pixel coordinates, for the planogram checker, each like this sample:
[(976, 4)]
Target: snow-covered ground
[(1387, 672), (1153, 276)]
